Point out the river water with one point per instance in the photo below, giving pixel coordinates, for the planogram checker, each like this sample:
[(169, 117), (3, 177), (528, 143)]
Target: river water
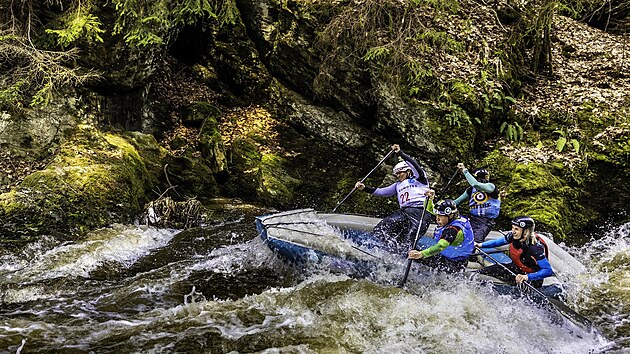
[(218, 289)]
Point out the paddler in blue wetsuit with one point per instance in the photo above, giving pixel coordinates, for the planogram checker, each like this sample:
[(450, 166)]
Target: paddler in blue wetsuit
[(483, 201), (397, 231), (528, 252), (453, 236)]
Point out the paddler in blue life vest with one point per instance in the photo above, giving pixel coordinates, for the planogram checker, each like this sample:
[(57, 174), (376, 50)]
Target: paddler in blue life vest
[(397, 231), (453, 235), (483, 201), (528, 252)]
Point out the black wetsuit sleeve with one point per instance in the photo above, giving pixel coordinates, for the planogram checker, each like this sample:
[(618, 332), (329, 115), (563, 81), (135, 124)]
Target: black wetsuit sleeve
[(369, 189), (450, 233), (423, 176)]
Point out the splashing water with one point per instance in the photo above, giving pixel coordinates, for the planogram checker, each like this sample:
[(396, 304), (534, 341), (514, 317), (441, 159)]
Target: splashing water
[(603, 293), (129, 289)]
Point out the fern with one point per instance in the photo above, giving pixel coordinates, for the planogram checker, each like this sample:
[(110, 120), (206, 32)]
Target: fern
[(576, 145), (512, 131), (376, 54), (80, 26), (151, 23), (457, 116), (563, 138)]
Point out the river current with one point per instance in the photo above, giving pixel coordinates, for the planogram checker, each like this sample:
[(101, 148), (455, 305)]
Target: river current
[(219, 289)]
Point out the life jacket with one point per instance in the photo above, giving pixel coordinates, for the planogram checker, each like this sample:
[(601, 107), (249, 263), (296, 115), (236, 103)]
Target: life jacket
[(516, 253), (483, 204), (463, 250)]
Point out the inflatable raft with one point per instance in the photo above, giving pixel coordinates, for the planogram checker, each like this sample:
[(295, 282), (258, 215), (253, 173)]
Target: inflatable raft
[(344, 243)]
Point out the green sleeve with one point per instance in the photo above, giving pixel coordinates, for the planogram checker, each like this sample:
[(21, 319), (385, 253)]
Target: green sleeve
[(429, 207), (435, 249), (486, 187)]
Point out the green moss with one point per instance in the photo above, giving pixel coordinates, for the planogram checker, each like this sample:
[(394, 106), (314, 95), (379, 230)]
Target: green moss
[(455, 141), (243, 164), (95, 179), (277, 185), (151, 153), (201, 113), (363, 203), (463, 93), (192, 176), (211, 145), (539, 190), (613, 146)]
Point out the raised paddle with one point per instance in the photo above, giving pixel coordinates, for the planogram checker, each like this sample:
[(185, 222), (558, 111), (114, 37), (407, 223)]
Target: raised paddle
[(445, 188), (364, 178), (415, 241), (561, 307)]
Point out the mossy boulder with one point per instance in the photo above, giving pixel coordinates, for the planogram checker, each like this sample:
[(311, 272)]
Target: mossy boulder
[(276, 184), (152, 154), (191, 177), (610, 166), (453, 139), (259, 175), (196, 114), (94, 179), (364, 203), (243, 178), (539, 190)]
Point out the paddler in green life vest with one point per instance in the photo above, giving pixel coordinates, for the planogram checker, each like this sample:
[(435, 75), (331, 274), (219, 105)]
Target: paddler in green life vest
[(453, 236), (483, 201), (528, 252)]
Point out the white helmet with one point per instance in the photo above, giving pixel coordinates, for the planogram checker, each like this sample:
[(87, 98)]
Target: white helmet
[(401, 166)]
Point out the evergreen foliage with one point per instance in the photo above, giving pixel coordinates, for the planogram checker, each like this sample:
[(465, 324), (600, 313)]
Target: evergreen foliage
[(32, 75), (145, 23), (38, 57)]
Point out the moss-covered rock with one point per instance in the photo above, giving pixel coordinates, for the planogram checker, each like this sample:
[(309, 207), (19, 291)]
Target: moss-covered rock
[(191, 177), (204, 117), (244, 178), (94, 179), (363, 203), (196, 114), (610, 168), (152, 154), (539, 190), (453, 138), (277, 185)]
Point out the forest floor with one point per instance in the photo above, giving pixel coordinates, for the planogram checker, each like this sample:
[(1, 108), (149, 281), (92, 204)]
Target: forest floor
[(590, 73), (14, 168), (590, 67)]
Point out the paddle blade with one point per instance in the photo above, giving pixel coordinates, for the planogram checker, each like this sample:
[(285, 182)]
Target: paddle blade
[(573, 316), (404, 279)]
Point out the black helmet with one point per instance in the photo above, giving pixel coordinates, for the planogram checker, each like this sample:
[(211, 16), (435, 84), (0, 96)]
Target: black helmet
[(446, 207), (524, 222), (481, 173)]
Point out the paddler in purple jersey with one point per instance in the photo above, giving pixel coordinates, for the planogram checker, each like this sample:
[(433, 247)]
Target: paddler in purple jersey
[(399, 229)]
